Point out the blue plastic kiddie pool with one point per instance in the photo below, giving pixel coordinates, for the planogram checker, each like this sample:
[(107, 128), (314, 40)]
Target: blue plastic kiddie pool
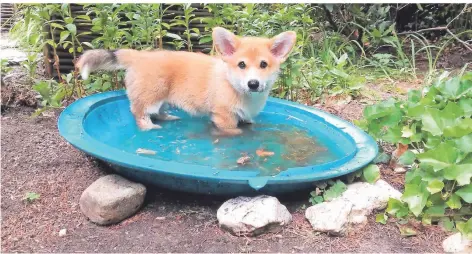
[(288, 148)]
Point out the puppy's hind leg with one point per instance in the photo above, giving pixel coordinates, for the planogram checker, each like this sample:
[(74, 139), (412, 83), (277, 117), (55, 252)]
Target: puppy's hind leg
[(143, 117)]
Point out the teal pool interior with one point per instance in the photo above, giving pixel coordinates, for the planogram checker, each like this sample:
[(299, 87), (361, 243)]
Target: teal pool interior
[(296, 138)]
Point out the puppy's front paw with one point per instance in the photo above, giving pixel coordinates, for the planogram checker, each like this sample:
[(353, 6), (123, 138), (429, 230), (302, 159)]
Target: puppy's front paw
[(227, 132)]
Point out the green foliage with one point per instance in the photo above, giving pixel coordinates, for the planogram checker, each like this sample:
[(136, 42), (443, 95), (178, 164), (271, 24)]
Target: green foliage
[(4, 67), (30, 197), (371, 173), (327, 191), (436, 123)]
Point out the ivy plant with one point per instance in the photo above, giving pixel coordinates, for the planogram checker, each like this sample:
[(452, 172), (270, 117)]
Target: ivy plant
[(436, 125)]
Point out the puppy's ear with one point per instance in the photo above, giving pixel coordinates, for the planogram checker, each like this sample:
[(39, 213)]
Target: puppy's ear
[(282, 44), (225, 41)]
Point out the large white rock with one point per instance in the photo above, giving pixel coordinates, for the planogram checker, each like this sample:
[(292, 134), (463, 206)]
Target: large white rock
[(352, 207), (366, 197), (111, 199), (329, 217), (252, 216), (457, 243)]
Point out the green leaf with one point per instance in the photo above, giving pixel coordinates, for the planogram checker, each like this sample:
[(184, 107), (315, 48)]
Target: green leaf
[(382, 109), (416, 196), (31, 196), (447, 223), (316, 200), (454, 88), (407, 158), (392, 135), (173, 36), (339, 73), (72, 29), (465, 193), (106, 86), (465, 228), (397, 208), (84, 17), (461, 128), (435, 186), (433, 121), (461, 173), (454, 202), (43, 89), (464, 143), (88, 44), (443, 156), (437, 210), (64, 35), (205, 39), (371, 173), (466, 105), (55, 25), (334, 191), (381, 218)]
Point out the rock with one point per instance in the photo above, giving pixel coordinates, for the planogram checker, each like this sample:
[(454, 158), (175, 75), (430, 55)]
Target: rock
[(111, 199), (352, 207), (367, 197), (457, 243), (62, 232), (329, 217), (399, 170), (252, 216)]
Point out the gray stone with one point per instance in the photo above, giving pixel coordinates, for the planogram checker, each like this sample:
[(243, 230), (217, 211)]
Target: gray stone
[(352, 207), (252, 216), (329, 217), (111, 199), (457, 243)]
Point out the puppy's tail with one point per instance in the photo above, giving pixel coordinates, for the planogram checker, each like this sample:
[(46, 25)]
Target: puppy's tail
[(109, 60)]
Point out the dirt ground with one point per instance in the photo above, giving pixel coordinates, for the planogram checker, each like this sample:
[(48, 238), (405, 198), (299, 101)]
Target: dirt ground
[(36, 159)]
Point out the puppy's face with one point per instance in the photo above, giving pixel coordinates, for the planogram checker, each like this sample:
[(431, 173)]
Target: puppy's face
[(253, 63)]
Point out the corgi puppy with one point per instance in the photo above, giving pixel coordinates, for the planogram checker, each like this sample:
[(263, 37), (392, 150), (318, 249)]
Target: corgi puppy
[(232, 87)]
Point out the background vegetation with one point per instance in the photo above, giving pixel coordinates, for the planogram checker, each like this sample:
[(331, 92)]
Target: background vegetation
[(340, 49)]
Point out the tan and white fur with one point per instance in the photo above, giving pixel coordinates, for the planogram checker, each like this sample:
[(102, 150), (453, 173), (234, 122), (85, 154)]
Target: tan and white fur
[(232, 87)]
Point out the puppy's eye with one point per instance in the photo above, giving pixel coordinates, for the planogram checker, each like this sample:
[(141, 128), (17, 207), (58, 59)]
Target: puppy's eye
[(242, 65), (263, 64)]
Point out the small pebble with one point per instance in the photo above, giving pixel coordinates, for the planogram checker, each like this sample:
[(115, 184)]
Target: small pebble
[(63, 232), (400, 170)]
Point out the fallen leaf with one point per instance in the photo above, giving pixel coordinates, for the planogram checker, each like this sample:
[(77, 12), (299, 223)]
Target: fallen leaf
[(263, 153), (243, 160), (145, 151)]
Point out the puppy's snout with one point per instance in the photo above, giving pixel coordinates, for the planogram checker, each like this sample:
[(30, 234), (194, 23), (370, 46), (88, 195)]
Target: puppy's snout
[(253, 84)]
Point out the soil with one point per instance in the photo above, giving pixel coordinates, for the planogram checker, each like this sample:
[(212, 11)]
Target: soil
[(36, 159)]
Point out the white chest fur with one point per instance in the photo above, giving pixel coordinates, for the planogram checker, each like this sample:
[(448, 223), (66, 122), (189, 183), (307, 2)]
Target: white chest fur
[(251, 105)]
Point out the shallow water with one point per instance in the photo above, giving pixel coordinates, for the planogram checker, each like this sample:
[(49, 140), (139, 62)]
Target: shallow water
[(190, 141), (294, 142)]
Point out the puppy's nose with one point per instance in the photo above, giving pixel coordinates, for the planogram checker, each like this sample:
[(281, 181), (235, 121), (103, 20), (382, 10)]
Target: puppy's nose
[(253, 84)]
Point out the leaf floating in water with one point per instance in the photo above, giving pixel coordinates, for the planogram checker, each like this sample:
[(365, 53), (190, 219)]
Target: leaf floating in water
[(262, 153), (145, 151), (243, 160)]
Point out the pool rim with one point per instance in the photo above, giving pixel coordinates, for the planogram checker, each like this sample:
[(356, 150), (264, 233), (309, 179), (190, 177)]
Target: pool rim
[(71, 127)]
